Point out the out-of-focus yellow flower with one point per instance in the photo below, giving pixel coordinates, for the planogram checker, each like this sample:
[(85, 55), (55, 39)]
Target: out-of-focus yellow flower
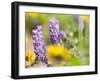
[(86, 18), (30, 58), (58, 54), (32, 14)]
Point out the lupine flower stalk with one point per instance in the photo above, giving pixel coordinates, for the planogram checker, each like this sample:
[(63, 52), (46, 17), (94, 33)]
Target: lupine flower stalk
[(56, 36), (39, 44)]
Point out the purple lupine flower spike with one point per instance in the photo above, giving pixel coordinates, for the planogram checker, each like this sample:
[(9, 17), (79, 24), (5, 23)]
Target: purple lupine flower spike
[(55, 35), (39, 44)]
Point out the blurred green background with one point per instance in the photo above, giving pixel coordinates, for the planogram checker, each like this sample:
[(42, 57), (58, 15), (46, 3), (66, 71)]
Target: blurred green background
[(76, 28)]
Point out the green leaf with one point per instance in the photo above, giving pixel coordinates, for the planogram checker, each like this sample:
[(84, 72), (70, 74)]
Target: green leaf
[(74, 61)]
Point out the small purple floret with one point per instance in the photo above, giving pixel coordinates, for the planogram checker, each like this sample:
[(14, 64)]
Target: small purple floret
[(39, 44), (55, 35)]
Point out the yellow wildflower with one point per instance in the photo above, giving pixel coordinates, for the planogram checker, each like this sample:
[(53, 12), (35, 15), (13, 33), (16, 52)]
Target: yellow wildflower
[(32, 14), (30, 57), (86, 18), (58, 54)]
